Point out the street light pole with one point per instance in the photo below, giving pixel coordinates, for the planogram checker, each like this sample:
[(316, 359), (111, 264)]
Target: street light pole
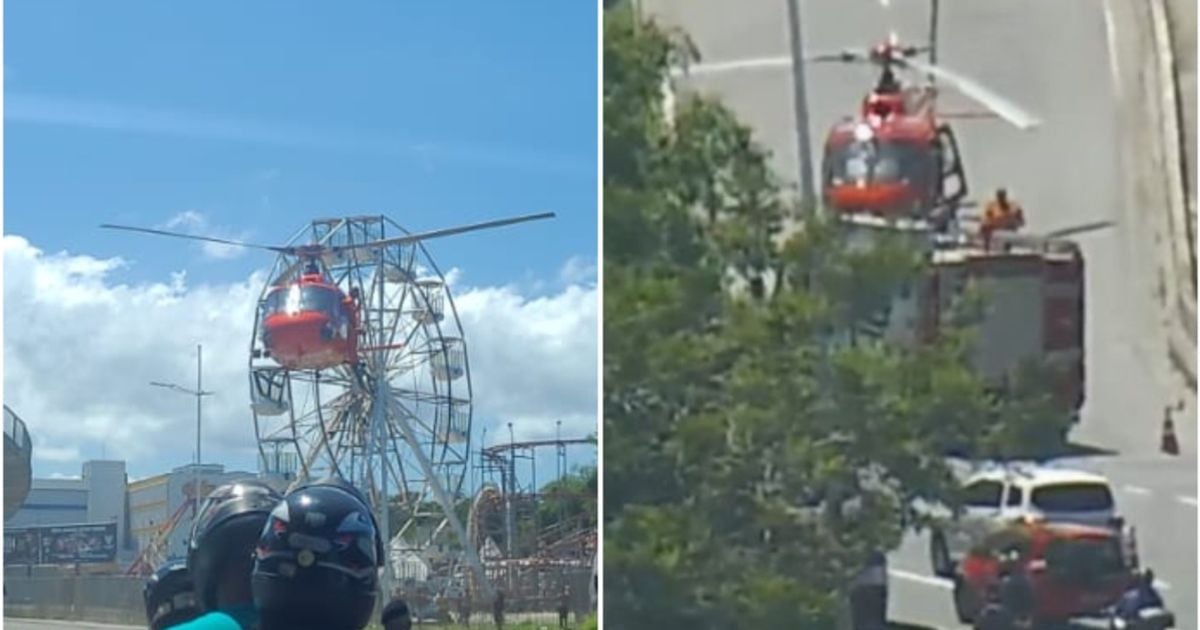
[(808, 201), (199, 393), (199, 397)]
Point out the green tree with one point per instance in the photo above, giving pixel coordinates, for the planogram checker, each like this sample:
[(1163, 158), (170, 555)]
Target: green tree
[(569, 502), (756, 450)]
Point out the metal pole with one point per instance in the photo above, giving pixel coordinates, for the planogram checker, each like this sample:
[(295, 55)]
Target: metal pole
[(933, 30), (196, 470), (512, 487), (442, 496), (383, 398), (384, 516), (800, 101)]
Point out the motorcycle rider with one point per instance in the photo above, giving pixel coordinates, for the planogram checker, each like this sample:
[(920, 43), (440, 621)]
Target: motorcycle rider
[(395, 615), (169, 597), (318, 560), (1140, 596), (221, 553)]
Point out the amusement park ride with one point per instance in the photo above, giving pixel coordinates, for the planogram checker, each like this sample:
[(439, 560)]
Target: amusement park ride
[(359, 369)]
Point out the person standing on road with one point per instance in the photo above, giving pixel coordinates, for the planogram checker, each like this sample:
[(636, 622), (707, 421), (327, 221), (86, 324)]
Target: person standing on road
[(564, 607), (464, 608), (868, 594), (1016, 590), (221, 554), (498, 610), (318, 560)]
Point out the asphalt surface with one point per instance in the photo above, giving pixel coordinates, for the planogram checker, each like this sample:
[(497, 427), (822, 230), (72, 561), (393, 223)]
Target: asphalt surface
[(1074, 64), (14, 623)]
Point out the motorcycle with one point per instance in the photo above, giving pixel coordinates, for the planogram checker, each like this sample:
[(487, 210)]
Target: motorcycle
[(1152, 618)]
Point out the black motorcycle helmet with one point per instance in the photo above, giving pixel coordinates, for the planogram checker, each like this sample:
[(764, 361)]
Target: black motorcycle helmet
[(169, 598), (226, 528), (317, 563)]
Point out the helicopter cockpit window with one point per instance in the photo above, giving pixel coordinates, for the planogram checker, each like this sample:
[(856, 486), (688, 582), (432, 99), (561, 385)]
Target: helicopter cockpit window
[(297, 298), (877, 161)]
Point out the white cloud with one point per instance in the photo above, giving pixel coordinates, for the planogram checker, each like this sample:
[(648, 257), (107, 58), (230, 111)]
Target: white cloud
[(578, 271), (533, 362), (81, 348), (52, 454), (196, 224)]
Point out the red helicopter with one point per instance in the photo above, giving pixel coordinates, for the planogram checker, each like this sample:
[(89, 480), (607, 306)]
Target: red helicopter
[(897, 157), (308, 322)]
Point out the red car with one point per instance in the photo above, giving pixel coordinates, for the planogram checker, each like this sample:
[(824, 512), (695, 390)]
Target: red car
[(1075, 570)]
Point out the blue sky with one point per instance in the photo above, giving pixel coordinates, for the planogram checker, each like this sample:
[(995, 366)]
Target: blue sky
[(261, 115), (246, 120)]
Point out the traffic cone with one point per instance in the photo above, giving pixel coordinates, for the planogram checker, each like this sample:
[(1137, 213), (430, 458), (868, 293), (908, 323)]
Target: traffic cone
[(1170, 443)]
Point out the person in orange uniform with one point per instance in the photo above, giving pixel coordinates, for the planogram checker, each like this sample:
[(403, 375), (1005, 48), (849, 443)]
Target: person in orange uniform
[(1000, 214)]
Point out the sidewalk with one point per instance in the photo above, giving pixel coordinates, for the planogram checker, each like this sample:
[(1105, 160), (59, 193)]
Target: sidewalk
[(1182, 16)]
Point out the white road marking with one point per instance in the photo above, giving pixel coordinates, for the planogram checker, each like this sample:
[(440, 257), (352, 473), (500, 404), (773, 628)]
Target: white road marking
[(1110, 32), (1161, 585), (1135, 489), (1186, 500), (922, 579)]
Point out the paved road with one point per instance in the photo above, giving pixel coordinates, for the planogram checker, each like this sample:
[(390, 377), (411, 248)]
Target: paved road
[(14, 623), (1072, 63)]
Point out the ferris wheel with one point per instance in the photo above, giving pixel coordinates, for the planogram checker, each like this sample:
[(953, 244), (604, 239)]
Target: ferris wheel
[(394, 420), (358, 369)]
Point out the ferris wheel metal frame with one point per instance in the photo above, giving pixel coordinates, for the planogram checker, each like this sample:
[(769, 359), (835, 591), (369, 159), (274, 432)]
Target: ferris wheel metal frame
[(369, 431)]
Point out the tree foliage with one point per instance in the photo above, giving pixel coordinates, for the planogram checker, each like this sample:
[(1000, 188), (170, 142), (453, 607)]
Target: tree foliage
[(569, 502), (756, 447)]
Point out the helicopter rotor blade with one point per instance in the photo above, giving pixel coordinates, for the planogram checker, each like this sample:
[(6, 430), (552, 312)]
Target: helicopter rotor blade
[(193, 237), (1079, 229), (412, 238), (846, 56), (424, 236), (1004, 108)]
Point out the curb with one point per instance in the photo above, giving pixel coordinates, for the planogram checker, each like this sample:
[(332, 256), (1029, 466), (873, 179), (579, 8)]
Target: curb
[(1181, 298)]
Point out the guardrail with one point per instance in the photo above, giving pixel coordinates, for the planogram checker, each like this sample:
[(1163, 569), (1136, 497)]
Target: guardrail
[(1179, 259)]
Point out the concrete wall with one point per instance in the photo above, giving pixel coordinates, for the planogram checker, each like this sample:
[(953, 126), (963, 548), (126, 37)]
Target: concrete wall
[(99, 598)]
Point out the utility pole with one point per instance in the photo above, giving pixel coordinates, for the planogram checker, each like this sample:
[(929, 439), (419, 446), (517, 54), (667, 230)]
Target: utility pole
[(808, 201), (933, 26), (199, 398), (199, 393)]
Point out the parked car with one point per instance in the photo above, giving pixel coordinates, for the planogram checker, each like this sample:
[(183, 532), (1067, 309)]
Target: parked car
[(999, 496), (1074, 570)]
